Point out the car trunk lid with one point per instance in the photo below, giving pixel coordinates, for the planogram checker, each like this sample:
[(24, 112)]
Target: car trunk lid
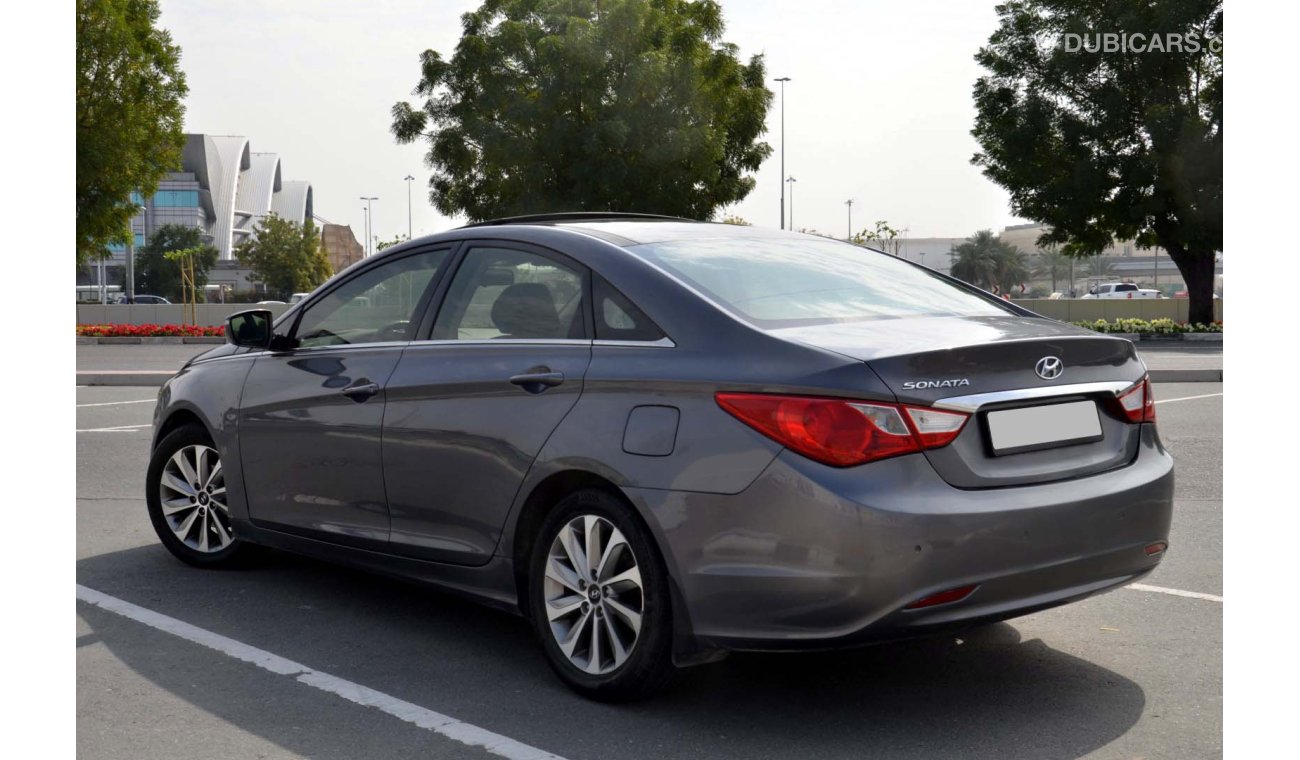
[(986, 365)]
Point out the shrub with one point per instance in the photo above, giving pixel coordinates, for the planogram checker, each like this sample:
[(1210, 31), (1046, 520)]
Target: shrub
[(1153, 327)]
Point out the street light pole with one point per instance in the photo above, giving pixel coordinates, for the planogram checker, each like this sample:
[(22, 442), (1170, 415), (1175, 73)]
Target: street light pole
[(409, 178), (365, 232), (790, 181), (849, 203), (370, 222), (782, 80)]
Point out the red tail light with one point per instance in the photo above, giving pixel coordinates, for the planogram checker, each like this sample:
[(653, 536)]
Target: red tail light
[(1138, 403), (843, 433)]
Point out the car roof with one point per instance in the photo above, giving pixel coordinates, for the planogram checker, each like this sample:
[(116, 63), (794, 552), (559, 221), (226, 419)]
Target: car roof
[(634, 229)]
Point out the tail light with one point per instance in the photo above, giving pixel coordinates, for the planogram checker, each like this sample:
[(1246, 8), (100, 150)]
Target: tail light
[(1138, 403), (843, 433)]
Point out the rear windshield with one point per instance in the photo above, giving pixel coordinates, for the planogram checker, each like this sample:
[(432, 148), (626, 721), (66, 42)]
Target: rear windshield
[(801, 280)]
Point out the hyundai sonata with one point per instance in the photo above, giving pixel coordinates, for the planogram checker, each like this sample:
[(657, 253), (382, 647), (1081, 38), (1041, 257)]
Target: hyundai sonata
[(661, 440)]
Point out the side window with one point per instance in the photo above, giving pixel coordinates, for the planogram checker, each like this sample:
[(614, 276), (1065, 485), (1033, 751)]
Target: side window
[(373, 307), (499, 293), (617, 318)]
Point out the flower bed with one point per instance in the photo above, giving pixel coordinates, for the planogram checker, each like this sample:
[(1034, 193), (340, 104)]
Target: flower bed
[(1152, 327), (149, 331)]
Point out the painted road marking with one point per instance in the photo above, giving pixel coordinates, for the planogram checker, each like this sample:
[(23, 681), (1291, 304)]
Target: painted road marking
[(115, 403), (118, 429), (456, 730), (1186, 398), (1175, 592)]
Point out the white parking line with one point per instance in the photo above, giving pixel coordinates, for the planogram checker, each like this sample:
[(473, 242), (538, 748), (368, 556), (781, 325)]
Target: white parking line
[(1175, 592), (453, 729), (115, 403), (118, 429), (1186, 398)]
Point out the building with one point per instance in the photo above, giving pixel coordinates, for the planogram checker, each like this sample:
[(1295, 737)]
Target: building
[(225, 189), (341, 246)]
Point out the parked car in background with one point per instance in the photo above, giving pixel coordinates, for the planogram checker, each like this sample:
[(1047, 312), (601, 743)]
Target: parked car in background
[(296, 297), (661, 440), (1122, 290), (271, 303), (143, 299)]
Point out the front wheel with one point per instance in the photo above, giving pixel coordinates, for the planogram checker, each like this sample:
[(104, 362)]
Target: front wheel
[(598, 597), (186, 495)]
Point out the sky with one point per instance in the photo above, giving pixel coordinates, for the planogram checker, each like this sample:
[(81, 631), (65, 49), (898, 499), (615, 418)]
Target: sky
[(878, 109)]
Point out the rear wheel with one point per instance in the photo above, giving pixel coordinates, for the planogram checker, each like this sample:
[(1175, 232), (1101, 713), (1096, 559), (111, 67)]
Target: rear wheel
[(186, 494), (599, 599)]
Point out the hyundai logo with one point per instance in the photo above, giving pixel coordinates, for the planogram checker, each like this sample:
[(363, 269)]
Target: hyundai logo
[(1049, 367)]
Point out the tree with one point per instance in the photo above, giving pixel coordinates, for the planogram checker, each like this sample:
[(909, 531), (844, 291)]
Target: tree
[(1105, 145), (985, 261), (883, 235), (739, 221), (398, 240), (562, 105), (158, 275), (286, 256), (129, 115), (1052, 264)]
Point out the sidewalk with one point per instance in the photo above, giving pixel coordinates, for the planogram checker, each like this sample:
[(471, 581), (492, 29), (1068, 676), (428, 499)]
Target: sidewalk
[(147, 365)]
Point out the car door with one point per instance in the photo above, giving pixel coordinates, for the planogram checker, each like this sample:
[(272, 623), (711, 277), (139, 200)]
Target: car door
[(470, 407), (310, 416)]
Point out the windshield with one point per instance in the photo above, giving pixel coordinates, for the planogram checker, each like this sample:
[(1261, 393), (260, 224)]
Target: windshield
[(800, 280)]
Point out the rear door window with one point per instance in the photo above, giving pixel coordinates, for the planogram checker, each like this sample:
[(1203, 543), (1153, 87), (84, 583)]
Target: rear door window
[(502, 293)]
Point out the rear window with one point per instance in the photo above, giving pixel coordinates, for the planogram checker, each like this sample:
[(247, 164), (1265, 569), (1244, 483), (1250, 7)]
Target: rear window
[(799, 280), (1125, 288)]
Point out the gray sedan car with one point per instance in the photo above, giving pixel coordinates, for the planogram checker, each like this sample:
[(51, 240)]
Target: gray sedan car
[(661, 440)]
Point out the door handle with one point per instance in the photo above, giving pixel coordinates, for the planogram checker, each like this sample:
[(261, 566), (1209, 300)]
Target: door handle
[(538, 381), (361, 390)]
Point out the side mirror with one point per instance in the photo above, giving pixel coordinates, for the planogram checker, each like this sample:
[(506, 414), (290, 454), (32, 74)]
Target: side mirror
[(250, 329)]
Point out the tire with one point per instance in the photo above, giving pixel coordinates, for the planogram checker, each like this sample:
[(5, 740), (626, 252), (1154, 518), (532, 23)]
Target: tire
[(198, 532), (631, 661)]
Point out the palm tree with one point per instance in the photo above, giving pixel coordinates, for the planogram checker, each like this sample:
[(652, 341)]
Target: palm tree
[(1052, 264), (1011, 268), (986, 262), (975, 259)]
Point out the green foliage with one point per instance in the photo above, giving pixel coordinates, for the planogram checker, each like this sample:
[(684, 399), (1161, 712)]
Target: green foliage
[(1104, 146), (1151, 327), (156, 274), (286, 256), (129, 115), (563, 105), (1053, 265), (985, 261), (381, 245), (739, 221), (882, 235)]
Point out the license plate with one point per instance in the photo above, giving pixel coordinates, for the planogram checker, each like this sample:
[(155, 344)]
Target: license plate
[(1043, 427)]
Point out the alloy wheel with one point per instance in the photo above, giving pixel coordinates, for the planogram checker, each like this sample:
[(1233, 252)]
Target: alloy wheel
[(594, 595), (192, 492)]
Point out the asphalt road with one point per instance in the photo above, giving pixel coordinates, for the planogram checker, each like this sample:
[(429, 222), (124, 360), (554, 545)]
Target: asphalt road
[(1133, 673)]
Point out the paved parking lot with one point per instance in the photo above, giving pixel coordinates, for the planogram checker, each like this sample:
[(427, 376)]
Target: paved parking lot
[(1134, 673)]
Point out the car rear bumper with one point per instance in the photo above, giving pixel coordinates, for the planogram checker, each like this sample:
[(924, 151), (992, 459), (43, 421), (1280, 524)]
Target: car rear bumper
[(810, 556)]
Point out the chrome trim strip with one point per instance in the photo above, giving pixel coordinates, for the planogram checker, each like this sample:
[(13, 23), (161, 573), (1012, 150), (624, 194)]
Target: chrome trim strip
[(973, 402), (664, 342), (506, 342)]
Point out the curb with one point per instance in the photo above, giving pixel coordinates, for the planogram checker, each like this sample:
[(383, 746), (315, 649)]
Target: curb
[(161, 340), (145, 378)]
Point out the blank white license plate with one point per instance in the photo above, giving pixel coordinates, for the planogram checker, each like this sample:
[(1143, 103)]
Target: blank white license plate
[(1042, 427)]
